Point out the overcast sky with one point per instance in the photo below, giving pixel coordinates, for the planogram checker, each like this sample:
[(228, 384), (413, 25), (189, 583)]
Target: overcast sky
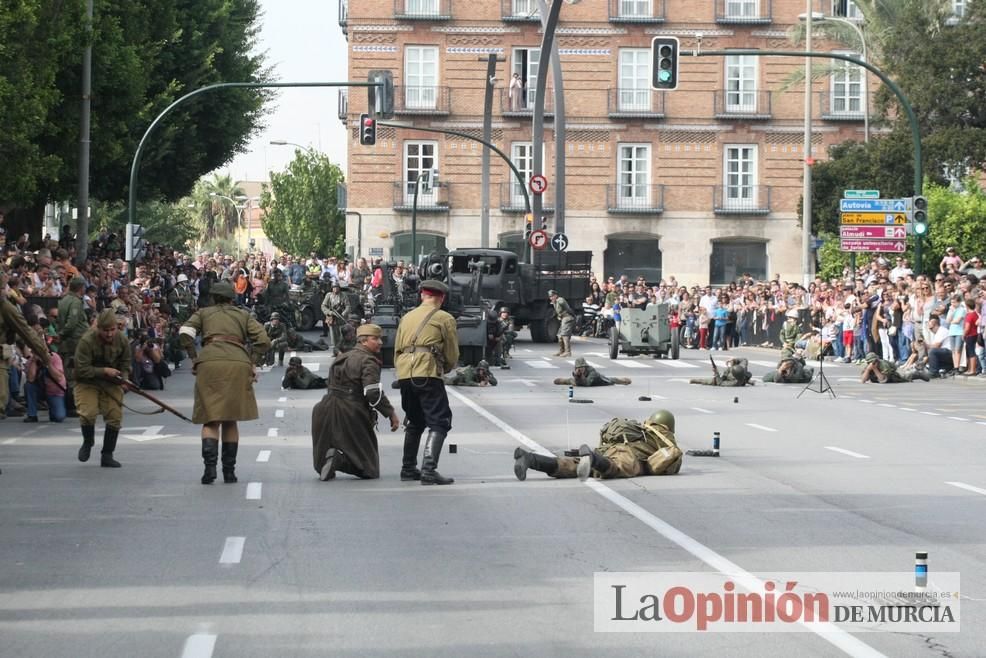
[(304, 43)]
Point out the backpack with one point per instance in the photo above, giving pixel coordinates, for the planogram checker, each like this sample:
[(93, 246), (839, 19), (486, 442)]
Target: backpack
[(621, 430)]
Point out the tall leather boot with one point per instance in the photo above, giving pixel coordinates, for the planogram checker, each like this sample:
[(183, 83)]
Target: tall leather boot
[(210, 455), (433, 450), (109, 445), (88, 441), (590, 460), (229, 462), (566, 343), (561, 347), (525, 459), (409, 466)]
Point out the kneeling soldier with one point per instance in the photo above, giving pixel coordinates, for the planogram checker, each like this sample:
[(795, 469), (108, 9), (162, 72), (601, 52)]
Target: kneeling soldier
[(736, 374), (790, 370), (469, 376), (300, 377), (586, 375)]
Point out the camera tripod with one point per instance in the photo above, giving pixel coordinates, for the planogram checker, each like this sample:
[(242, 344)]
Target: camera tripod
[(823, 382)]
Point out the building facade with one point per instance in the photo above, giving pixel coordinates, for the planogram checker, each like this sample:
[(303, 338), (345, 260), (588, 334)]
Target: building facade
[(703, 182)]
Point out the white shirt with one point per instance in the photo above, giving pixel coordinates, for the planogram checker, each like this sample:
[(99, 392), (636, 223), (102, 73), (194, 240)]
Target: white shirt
[(939, 338)]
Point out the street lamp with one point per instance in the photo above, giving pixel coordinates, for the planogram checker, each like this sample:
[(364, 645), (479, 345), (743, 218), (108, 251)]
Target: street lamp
[(806, 209), (281, 142), (820, 17), (240, 208)]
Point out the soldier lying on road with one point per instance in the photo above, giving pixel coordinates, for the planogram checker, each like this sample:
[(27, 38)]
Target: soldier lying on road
[(882, 371), (469, 376), (735, 374), (627, 448), (299, 377), (791, 369), (586, 375)]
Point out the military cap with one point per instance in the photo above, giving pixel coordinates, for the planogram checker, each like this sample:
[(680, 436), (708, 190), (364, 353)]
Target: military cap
[(871, 357), (483, 365), (793, 314), (580, 363), (552, 292), (369, 330), (275, 316), (106, 319), (223, 290), (294, 361), (434, 286)]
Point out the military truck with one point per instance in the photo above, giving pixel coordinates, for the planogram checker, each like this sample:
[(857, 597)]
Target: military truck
[(523, 287)]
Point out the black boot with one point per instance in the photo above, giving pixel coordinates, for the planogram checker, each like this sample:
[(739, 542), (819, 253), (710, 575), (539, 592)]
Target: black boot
[(409, 466), (590, 460), (109, 445), (433, 450), (210, 455), (229, 462), (88, 441), (525, 459)]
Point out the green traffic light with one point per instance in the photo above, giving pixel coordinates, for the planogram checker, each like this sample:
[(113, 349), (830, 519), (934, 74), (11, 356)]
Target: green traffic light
[(920, 228), (664, 76)]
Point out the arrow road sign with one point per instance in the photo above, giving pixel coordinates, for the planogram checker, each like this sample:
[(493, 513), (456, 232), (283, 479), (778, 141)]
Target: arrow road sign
[(884, 246), (875, 205), (861, 194), (538, 184), (559, 242), (149, 433), (896, 218), (880, 232), (539, 239)]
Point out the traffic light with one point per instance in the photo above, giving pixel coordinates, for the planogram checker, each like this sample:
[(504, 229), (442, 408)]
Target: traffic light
[(919, 215), (380, 95), (664, 63), (134, 250), (544, 222), (367, 130)]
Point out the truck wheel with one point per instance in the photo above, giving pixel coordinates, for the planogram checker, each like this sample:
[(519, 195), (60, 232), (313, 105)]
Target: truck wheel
[(614, 342), (307, 319), (675, 344)]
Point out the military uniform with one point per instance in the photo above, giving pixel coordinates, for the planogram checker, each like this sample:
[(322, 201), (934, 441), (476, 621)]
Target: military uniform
[(627, 448), (181, 300), (343, 436), (299, 377), (426, 348), (566, 323), (736, 373), (887, 368), (95, 395), (791, 369), (335, 310), (586, 375), (276, 294), (789, 332), (505, 338), (277, 335), (470, 376), (12, 322), (71, 323)]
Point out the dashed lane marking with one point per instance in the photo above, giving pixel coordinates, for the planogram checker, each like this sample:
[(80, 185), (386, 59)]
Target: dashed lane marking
[(701, 410), (9, 441), (631, 364), (968, 487), (672, 363), (282, 399), (889, 406), (761, 427), (272, 433), (766, 364), (200, 645), (867, 401), (847, 452), (254, 490), (232, 550), (930, 413), (907, 409), (964, 420), (263, 456), (542, 365), (279, 413)]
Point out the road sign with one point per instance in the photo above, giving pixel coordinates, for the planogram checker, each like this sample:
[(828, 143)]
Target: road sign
[(875, 205), (861, 194), (539, 239), (538, 184), (891, 218), (879, 232), (559, 242), (884, 246)]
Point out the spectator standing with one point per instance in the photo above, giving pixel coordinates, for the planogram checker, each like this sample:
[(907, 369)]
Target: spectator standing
[(954, 319), (970, 335)]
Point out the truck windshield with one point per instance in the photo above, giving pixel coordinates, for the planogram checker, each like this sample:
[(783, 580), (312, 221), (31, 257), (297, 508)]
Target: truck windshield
[(464, 264)]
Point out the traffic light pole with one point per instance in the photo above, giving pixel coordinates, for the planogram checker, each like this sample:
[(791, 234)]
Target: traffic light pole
[(908, 110)]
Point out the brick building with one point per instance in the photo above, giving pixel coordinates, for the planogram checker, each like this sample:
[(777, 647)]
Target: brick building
[(702, 182)]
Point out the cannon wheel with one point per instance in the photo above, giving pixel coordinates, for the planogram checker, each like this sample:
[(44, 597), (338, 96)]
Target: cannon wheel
[(675, 344), (614, 342)]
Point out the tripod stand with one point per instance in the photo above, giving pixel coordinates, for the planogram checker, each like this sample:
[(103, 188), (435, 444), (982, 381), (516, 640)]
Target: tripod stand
[(823, 382)]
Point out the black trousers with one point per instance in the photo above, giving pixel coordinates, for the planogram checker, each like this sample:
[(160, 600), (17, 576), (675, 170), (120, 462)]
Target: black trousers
[(939, 359), (425, 403)]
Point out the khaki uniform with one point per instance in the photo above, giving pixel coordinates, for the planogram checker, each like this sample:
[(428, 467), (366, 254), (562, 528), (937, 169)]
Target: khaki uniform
[(789, 334), (889, 368), (94, 394), (566, 317), (71, 324), (656, 452), (589, 376), (224, 367), (736, 373), (790, 371), (436, 349)]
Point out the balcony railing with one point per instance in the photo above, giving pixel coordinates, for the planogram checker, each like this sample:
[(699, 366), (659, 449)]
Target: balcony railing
[(423, 10), (636, 11), (742, 104), (743, 12), (741, 199), (841, 108), (343, 98), (520, 11), (512, 198), (422, 100), (520, 102), (635, 103), (343, 14), (634, 199), (431, 199)]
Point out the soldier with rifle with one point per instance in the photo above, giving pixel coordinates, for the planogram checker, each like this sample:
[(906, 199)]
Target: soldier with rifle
[(335, 310), (469, 376), (586, 375), (566, 322), (505, 339), (737, 374), (277, 293), (791, 369)]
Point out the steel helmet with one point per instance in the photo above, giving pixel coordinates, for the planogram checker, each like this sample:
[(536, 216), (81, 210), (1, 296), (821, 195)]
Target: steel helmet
[(661, 417)]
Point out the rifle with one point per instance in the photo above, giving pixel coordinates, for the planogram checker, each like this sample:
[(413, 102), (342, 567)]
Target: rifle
[(164, 406), (715, 371)]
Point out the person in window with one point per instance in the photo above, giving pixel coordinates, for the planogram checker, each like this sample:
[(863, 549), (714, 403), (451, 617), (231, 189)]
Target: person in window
[(516, 93)]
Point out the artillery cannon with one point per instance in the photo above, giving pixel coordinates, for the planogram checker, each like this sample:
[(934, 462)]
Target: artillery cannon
[(645, 331)]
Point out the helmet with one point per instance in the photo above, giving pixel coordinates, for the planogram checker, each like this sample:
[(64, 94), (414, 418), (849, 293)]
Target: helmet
[(661, 417), (182, 278), (483, 365), (871, 357), (294, 361), (504, 309), (580, 363), (275, 316)]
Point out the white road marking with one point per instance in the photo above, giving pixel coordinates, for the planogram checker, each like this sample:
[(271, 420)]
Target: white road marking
[(968, 487), (282, 399), (885, 404), (9, 441), (907, 409), (233, 550), (311, 365), (847, 452), (272, 433), (866, 401), (263, 456), (979, 422), (279, 413), (527, 382), (964, 420), (930, 413), (631, 364), (671, 363), (847, 379), (527, 350), (701, 410), (827, 631), (543, 365), (293, 354), (944, 411), (149, 433), (200, 645), (761, 427), (767, 364), (253, 490), (674, 379)]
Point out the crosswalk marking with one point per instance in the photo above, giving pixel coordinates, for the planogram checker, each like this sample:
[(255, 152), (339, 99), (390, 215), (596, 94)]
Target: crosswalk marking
[(542, 365), (672, 363), (766, 364), (633, 364)]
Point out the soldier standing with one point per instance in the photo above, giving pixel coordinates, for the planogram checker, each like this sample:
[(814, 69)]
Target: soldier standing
[(102, 368), (299, 377), (469, 376), (71, 323), (181, 300), (789, 330), (566, 323), (335, 310), (585, 375), (343, 436), (505, 340), (224, 375), (426, 348), (627, 448), (277, 293)]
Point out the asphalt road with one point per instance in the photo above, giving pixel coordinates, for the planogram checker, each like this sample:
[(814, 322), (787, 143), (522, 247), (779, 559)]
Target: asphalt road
[(145, 561)]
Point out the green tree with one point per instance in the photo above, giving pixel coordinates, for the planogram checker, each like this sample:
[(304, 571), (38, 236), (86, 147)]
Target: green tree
[(217, 216), (301, 211), (956, 218), (170, 224)]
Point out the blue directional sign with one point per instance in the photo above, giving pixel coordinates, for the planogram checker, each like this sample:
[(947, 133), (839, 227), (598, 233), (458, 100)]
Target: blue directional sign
[(559, 242), (875, 205)]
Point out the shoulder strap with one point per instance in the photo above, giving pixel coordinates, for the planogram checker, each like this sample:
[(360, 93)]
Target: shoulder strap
[(414, 338)]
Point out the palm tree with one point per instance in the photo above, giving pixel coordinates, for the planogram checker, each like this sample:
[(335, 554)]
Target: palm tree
[(218, 217)]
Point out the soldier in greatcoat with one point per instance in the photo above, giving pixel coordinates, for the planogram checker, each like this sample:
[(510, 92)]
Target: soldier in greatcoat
[(232, 341), (343, 423)]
